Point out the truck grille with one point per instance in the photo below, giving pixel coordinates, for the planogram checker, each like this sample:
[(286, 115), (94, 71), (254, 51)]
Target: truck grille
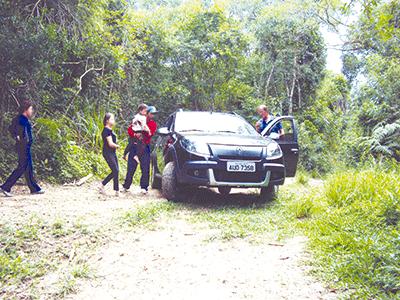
[(236, 157), (225, 176)]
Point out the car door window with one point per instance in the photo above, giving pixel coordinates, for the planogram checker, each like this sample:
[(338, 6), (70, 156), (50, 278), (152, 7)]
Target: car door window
[(169, 122), (288, 135), (287, 140)]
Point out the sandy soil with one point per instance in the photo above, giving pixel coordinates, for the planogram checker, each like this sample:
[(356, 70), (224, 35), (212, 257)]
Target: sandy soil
[(174, 261)]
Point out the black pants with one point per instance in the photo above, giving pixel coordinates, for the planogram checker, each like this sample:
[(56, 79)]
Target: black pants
[(25, 167), (144, 159), (112, 161)]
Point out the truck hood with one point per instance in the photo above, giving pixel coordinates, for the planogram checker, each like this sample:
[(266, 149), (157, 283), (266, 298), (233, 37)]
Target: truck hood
[(228, 139)]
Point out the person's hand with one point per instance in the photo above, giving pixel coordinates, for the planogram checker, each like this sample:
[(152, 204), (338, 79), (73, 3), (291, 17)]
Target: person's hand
[(258, 124), (125, 157)]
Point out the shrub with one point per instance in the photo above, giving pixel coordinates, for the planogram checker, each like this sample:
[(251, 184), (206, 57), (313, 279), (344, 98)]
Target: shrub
[(354, 230)]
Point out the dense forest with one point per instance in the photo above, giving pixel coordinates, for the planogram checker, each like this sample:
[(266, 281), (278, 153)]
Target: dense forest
[(79, 59)]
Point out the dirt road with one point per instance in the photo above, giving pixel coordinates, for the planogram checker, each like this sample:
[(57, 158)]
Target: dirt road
[(174, 258)]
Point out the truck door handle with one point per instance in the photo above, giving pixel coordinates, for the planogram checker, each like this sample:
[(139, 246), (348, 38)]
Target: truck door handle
[(294, 150)]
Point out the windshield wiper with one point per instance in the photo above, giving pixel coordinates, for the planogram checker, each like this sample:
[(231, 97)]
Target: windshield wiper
[(186, 130), (226, 131)]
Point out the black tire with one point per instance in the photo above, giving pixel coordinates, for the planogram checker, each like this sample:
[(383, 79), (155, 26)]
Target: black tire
[(155, 181), (268, 194), (169, 184), (224, 190)]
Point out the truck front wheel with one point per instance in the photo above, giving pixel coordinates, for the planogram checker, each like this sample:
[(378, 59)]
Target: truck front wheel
[(268, 194), (169, 183)]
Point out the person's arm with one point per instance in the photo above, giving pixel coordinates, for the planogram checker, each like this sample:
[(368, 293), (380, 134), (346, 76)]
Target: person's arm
[(14, 129), (281, 131), (110, 142)]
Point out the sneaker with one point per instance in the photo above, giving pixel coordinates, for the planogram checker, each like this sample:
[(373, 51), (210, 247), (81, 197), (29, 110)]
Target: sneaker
[(124, 190), (102, 190), (6, 194), (116, 193), (41, 192), (143, 191)]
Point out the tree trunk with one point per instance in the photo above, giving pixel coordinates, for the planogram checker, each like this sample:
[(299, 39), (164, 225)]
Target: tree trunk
[(293, 86), (299, 95), (269, 80)]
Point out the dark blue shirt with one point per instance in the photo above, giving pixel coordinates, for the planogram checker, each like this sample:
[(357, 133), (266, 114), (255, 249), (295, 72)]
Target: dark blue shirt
[(264, 123), (23, 130)]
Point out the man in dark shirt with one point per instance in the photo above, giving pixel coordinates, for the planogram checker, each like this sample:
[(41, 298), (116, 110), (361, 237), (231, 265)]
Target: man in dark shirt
[(267, 118), (21, 130)]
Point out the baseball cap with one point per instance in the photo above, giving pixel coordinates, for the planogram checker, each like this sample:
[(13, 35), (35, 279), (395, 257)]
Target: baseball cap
[(151, 109)]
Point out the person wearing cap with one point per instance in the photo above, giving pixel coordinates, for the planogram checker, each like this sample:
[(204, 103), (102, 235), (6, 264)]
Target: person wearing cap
[(139, 152), (145, 158)]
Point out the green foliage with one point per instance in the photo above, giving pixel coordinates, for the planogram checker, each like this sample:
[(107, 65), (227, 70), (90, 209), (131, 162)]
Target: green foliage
[(290, 57), (354, 230), (79, 59), (384, 141), (376, 58), (322, 129), (302, 177)]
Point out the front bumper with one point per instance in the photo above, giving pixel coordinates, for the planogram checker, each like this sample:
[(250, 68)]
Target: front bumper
[(212, 173)]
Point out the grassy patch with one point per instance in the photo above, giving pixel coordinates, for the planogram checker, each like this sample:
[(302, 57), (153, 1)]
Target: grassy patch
[(16, 243), (147, 215), (302, 177), (354, 229), (30, 250), (253, 222)]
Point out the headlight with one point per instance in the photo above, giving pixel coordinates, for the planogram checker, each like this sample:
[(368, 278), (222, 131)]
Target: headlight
[(273, 150), (195, 147)]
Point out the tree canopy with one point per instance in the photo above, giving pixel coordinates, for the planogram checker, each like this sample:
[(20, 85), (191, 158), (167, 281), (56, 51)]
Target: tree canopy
[(77, 59)]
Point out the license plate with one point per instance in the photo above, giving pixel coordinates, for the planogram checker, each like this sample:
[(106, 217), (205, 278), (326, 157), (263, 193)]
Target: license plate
[(240, 166)]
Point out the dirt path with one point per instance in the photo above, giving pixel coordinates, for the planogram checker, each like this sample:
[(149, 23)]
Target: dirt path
[(176, 260)]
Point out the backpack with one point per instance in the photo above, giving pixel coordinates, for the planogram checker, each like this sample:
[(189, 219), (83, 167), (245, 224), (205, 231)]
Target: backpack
[(12, 129)]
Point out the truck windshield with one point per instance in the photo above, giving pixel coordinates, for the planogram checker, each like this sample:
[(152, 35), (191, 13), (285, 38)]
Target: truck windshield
[(212, 123)]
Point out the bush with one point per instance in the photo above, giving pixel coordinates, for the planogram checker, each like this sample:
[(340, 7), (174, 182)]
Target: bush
[(354, 230)]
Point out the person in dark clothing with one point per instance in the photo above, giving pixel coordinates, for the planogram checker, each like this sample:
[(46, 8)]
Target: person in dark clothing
[(21, 131), (142, 150), (267, 118), (109, 153)]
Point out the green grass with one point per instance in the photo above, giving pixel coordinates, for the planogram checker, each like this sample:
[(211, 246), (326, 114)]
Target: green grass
[(354, 230), (253, 222), (302, 177), (147, 215), (15, 252), (28, 251)]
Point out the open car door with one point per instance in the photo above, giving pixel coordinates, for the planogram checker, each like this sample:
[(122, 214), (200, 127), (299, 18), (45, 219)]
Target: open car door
[(287, 141)]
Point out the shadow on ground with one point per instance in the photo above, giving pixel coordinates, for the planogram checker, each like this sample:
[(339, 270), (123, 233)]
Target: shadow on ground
[(210, 198)]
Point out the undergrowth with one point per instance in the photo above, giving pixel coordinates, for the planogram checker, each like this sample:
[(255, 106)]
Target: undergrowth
[(353, 224), (32, 249)]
